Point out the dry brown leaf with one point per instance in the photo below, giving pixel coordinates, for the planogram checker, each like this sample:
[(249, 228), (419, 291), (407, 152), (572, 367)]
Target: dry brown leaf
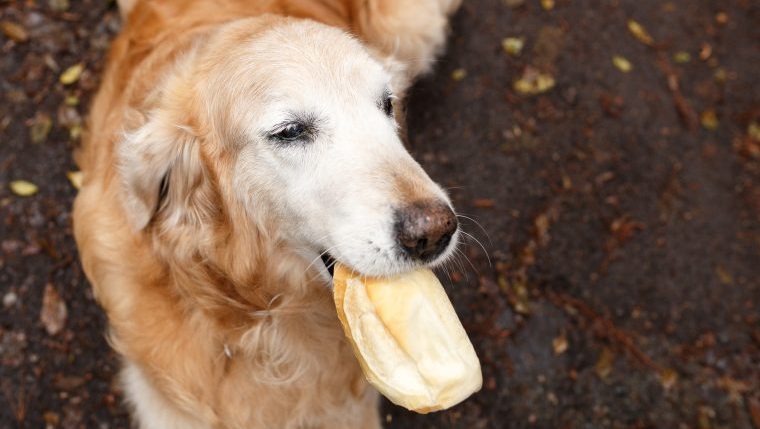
[(603, 366), (668, 378), (724, 276), (735, 388), (23, 188), (709, 120), (483, 203), (514, 3), (559, 344), (705, 416), (705, 52), (40, 128), (547, 4), (753, 404), (14, 31), (53, 313)]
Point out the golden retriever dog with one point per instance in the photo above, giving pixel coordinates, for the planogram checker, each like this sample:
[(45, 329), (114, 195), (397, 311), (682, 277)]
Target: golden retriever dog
[(232, 144)]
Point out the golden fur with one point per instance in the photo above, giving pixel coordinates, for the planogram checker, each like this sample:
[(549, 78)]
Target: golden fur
[(220, 324)]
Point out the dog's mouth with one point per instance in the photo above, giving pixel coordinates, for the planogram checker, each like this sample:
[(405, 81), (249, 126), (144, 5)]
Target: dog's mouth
[(329, 262)]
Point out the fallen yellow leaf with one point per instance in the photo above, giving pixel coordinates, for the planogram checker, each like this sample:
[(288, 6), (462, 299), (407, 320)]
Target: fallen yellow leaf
[(71, 100), (709, 120), (621, 63), (72, 74), (682, 57), (75, 131), (547, 4), (75, 177), (533, 82), (753, 130), (23, 188), (513, 45), (458, 74), (640, 33)]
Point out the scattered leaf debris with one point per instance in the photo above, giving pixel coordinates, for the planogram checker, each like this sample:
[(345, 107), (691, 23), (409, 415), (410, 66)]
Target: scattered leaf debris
[(14, 31), (40, 127), (668, 378), (513, 45), (23, 188), (640, 33), (514, 3), (724, 276), (709, 120), (721, 18), (59, 5), (483, 203), (705, 52), (53, 313), (534, 82), (72, 74), (753, 130), (622, 63), (559, 344), (682, 57), (603, 366), (75, 178), (458, 74)]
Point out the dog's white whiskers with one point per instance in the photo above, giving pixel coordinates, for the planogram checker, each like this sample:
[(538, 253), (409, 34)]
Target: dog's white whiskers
[(460, 264), (478, 225), (479, 244), (318, 257), (469, 262)]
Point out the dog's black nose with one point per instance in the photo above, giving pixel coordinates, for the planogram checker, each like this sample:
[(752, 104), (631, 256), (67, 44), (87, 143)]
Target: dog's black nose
[(424, 229)]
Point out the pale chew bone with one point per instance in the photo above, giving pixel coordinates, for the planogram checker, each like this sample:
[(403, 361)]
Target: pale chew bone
[(407, 338)]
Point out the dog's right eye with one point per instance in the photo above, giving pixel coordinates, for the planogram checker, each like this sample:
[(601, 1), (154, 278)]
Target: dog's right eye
[(290, 132)]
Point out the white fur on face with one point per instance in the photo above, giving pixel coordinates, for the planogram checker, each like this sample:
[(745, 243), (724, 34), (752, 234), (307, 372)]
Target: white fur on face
[(338, 190)]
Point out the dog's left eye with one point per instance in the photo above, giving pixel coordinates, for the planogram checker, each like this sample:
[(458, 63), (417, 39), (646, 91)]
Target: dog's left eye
[(290, 132), (388, 105)]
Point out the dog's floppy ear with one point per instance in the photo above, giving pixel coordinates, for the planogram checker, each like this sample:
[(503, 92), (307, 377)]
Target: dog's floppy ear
[(159, 165)]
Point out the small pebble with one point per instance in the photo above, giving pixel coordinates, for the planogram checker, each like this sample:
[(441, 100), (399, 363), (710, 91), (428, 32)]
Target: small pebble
[(10, 299)]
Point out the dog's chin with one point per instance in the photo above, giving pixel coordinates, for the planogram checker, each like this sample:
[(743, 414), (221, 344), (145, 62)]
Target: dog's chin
[(400, 267)]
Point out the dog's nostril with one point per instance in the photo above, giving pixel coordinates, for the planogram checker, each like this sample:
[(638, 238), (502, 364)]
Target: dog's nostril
[(425, 229)]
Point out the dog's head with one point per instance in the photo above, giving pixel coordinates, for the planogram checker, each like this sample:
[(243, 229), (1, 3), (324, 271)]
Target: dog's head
[(293, 123)]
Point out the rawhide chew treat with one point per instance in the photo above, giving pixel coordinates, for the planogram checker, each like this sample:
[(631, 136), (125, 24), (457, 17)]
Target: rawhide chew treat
[(407, 338)]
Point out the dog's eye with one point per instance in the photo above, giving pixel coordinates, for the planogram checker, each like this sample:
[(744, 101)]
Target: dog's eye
[(388, 105), (290, 132)]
